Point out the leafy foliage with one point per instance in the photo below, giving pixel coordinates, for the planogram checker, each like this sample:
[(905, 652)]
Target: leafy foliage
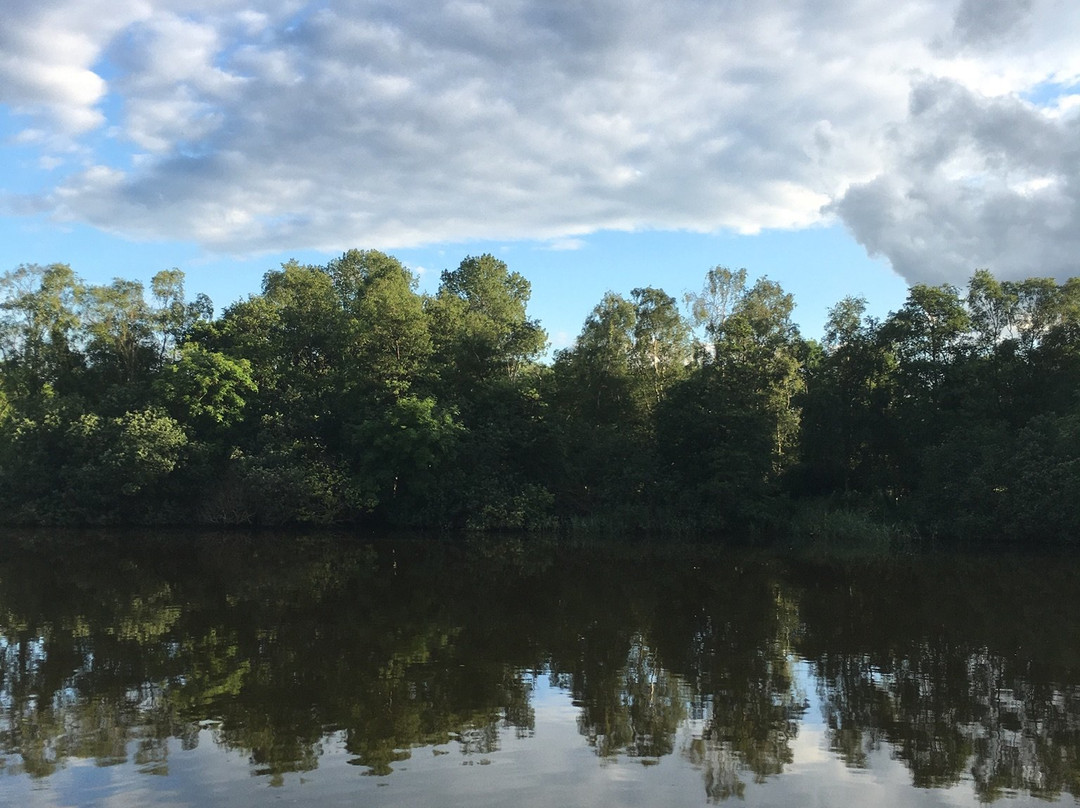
[(341, 394)]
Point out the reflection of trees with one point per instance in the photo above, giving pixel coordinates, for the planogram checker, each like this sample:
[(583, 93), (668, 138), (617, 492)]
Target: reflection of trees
[(714, 647), (48, 646), (965, 667), (750, 730), (912, 706), (281, 648), (1029, 735), (751, 704), (603, 650), (634, 708), (108, 661), (262, 642), (433, 700), (946, 718)]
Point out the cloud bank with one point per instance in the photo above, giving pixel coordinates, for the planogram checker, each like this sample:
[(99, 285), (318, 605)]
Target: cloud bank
[(944, 135)]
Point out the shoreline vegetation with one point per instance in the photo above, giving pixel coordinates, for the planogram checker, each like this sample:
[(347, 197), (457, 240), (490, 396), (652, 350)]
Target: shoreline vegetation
[(340, 396)]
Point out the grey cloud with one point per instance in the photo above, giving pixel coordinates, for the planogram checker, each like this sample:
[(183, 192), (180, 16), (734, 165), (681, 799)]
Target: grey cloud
[(468, 120), (388, 124), (973, 182), (983, 22)]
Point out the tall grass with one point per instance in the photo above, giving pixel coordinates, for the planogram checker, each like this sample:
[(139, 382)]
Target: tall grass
[(826, 527)]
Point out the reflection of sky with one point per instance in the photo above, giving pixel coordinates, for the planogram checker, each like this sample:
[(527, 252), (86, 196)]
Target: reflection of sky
[(552, 769)]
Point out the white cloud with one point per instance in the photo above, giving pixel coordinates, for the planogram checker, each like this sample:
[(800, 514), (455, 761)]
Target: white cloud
[(374, 123), (47, 55), (566, 244), (561, 340), (971, 181)]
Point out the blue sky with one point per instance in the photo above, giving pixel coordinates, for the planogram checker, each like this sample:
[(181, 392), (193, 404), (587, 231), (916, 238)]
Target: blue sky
[(837, 147)]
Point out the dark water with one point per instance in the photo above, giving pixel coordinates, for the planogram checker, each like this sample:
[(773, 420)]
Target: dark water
[(136, 670)]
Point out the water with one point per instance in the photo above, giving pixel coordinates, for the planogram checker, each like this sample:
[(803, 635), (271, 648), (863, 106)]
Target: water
[(226, 670)]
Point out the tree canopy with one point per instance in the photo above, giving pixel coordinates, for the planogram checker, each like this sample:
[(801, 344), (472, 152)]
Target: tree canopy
[(341, 394)]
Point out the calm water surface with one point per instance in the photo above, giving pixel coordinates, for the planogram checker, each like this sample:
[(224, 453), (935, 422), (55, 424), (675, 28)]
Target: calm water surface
[(224, 670)]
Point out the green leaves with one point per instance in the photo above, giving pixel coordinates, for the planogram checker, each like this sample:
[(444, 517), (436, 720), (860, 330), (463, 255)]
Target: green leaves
[(40, 325), (387, 333), (206, 389), (341, 394), (139, 449), (400, 451), (479, 321), (82, 467)]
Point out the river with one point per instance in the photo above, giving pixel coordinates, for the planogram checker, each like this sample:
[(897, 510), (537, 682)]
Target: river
[(231, 669)]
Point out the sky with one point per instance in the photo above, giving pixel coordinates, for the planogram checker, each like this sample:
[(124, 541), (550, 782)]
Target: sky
[(836, 147)]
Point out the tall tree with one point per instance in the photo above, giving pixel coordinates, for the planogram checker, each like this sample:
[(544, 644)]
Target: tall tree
[(41, 330), (710, 309), (387, 335), (480, 324), (595, 375), (484, 365), (730, 430), (661, 352), (928, 333), (292, 336), (173, 316), (121, 344), (845, 406), (608, 386)]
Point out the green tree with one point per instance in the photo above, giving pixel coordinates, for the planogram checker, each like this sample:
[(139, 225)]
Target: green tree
[(601, 425), (845, 405), (40, 331), (930, 336), (484, 368), (731, 429), (992, 307), (141, 448), (386, 330), (400, 456), (292, 336), (206, 389), (174, 317), (661, 351), (71, 467), (120, 330), (927, 334), (480, 324), (711, 308), (607, 388), (596, 374)]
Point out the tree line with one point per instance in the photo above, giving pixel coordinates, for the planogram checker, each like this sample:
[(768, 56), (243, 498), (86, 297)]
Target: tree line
[(341, 395)]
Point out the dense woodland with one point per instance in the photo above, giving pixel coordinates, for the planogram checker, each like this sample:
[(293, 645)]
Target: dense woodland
[(341, 395)]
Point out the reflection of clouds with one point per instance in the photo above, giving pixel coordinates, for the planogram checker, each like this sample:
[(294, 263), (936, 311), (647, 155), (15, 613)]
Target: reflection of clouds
[(810, 744), (558, 771)]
